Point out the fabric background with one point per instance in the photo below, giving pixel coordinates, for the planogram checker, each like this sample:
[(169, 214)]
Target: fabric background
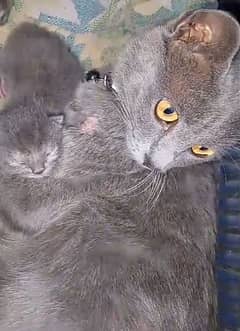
[(96, 30)]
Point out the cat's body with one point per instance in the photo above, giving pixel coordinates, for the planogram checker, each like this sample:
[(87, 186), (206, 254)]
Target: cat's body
[(37, 62), (130, 253), (118, 262), (106, 266)]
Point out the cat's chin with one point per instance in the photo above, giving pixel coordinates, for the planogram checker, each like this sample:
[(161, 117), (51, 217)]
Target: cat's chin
[(36, 176), (29, 174)]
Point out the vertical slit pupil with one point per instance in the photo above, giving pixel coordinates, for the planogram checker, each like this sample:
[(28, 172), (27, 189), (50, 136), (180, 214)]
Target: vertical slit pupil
[(168, 111), (203, 149)]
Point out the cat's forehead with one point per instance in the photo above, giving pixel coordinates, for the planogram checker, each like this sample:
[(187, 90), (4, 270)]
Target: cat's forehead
[(183, 61), (152, 65)]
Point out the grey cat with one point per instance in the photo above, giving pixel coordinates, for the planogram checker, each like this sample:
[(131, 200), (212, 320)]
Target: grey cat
[(134, 250), (37, 62)]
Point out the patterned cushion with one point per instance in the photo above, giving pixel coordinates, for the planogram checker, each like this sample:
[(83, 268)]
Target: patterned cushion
[(97, 29)]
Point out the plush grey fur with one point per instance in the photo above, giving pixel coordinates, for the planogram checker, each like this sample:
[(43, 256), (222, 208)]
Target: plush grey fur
[(37, 62), (30, 139), (5, 8), (40, 75), (135, 248)]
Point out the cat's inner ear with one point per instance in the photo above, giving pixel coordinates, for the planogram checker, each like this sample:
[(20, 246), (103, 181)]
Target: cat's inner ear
[(209, 31)]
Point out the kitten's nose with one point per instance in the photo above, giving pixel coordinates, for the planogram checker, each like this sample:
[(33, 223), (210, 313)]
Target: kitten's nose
[(38, 170), (147, 163)]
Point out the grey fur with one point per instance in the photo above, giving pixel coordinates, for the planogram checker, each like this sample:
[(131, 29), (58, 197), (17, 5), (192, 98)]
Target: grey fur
[(30, 139), (5, 8), (123, 258), (41, 75), (37, 62)]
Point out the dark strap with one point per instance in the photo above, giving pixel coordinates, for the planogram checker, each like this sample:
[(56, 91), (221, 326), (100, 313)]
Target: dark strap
[(94, 75)]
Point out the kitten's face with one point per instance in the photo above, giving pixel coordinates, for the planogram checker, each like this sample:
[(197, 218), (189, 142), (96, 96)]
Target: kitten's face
[(32, 147), (178, 90)]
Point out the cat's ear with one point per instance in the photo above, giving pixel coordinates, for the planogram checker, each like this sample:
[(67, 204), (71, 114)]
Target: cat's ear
[(211, 33), (57, 118)]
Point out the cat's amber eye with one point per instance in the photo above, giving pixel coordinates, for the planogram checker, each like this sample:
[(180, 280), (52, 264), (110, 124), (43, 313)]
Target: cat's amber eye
[(165, 112), (202, 151)]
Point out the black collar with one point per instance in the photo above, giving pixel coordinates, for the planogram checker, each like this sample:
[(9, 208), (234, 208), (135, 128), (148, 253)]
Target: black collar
[(94, 75)]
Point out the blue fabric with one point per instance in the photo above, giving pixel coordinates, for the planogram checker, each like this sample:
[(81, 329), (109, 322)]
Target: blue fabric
[(228, 245)]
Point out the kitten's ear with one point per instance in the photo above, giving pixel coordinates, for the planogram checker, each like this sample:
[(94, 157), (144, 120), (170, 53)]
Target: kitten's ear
[(212, 33), (74, 115), (57, 118)]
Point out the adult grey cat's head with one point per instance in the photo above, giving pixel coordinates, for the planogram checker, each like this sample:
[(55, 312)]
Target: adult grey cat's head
[(179, 86), (30, 139)]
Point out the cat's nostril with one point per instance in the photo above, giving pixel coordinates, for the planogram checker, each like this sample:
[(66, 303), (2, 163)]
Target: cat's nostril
[(147, 163), (38, 171)]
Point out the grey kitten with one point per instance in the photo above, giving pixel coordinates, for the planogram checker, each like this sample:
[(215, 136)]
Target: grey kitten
[(136, 249), (30, 139), (37, 62), (40, 75)]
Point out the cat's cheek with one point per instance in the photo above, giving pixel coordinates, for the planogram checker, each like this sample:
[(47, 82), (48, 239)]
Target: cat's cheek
[(89, 126)]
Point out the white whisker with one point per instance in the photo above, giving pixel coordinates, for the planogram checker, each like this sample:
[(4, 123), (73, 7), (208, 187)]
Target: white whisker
[(158, 185)]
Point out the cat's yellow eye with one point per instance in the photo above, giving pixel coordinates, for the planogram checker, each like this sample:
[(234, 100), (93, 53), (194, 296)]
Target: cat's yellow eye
[(165, 112), (202, 151)]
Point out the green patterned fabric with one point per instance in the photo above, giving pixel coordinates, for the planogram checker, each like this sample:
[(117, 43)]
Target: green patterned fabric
[(97, 30)]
